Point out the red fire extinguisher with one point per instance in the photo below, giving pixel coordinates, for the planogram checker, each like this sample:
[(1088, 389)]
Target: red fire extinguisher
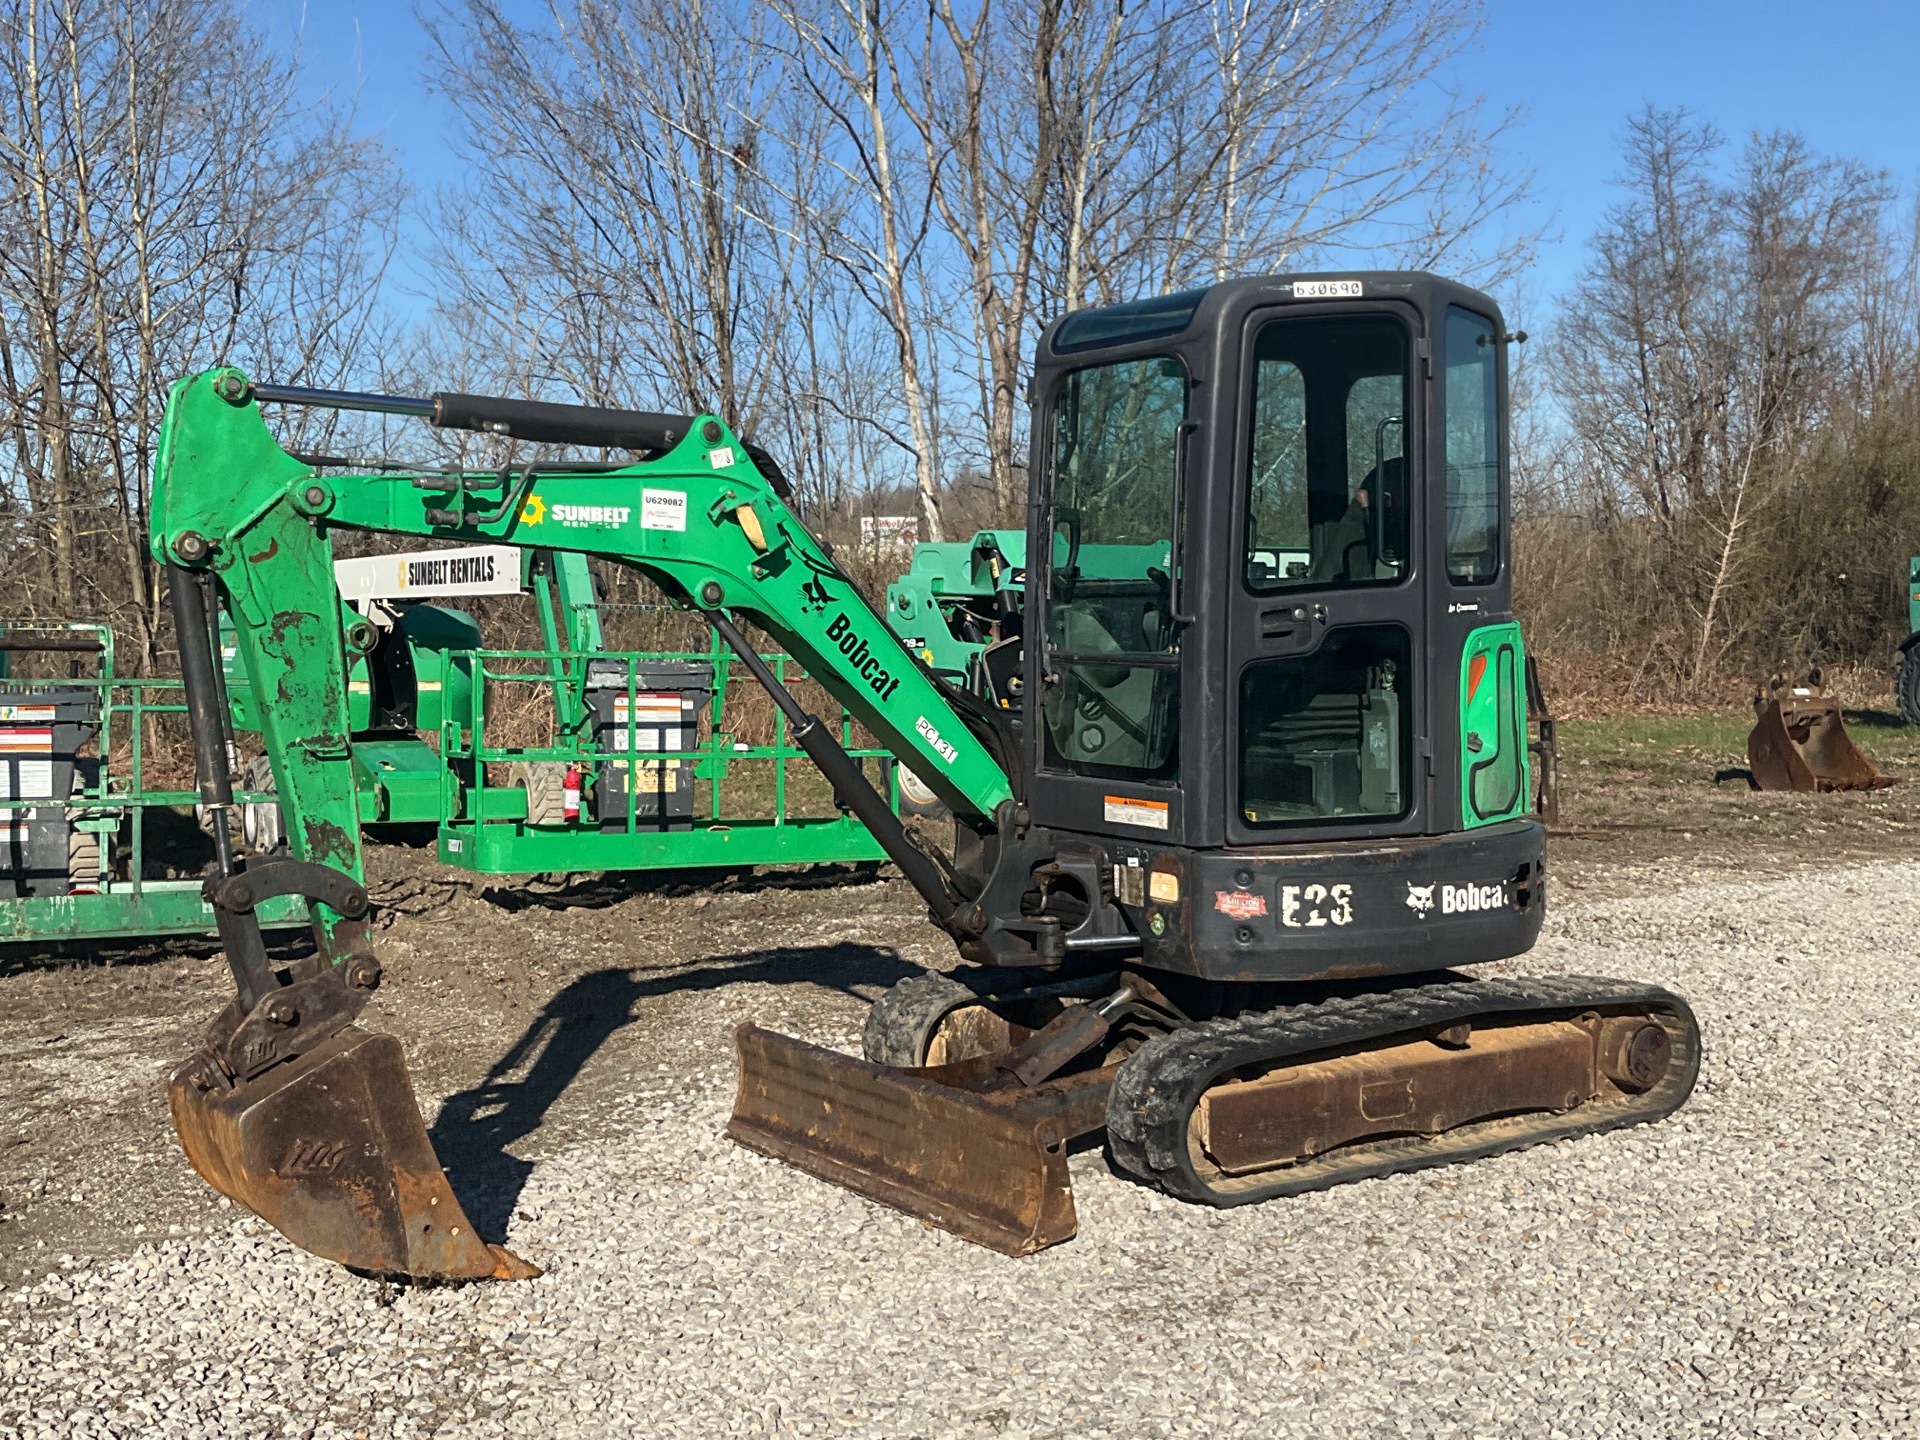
[(570, 795)]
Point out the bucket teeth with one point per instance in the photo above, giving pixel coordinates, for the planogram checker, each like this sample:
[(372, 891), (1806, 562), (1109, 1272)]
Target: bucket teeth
[(330, 1150), (989, 1165)]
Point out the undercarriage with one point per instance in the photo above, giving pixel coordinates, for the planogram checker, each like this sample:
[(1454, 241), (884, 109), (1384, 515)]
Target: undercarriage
[(964, 1109)]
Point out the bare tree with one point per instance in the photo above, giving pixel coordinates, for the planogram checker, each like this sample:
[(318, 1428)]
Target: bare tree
[(844, 55), (642, 226), (1207, 138), (168, 207), (1708, 343)]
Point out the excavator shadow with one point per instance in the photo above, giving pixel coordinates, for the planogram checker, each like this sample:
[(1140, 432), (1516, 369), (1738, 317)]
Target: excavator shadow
[(477, 1128), (599, 890)]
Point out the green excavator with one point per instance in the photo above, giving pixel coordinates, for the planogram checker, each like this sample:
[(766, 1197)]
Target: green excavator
[(1209, 886)]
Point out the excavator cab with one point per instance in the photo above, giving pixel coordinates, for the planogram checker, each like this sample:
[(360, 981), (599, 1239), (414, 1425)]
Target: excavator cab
[(1273, 641), (1268, 787)]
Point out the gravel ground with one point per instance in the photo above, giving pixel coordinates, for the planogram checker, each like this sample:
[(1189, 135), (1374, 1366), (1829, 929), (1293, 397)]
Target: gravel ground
[(1745, 1268)]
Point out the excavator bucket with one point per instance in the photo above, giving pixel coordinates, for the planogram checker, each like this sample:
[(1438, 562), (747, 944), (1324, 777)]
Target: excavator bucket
[(989, 1164), (330, 1150), (1800, 742)]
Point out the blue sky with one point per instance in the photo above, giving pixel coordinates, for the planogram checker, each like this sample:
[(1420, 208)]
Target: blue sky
[(1841, 71)]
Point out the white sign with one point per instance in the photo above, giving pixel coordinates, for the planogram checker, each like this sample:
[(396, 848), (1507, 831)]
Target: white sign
[(1326, 289), (1125, 810), (36, 774), (653, 715), (889, 532), (663, 510), (943, 748), (424, 574)]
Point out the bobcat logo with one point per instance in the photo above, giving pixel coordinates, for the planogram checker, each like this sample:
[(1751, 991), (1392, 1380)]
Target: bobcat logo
[(818, 597), (1420, 899)]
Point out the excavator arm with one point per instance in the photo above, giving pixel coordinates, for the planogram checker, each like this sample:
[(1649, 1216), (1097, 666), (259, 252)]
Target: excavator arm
[(291, 1108)]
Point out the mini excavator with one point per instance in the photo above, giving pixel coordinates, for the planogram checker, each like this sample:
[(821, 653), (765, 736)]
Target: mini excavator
[(1210, 884)]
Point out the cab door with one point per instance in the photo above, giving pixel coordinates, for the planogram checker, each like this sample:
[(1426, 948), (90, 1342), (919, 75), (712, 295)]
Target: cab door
[(1480, 732), (1106, 632), (1325, 676)]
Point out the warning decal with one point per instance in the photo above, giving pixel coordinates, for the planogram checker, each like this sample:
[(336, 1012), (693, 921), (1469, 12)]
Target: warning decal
[(1120, 810)]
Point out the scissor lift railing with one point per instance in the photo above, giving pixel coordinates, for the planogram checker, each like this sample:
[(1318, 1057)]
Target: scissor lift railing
[(115, 804), (485, 826)]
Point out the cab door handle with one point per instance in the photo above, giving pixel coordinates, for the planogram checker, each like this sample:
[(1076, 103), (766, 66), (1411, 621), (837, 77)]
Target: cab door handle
[(1291, 627)]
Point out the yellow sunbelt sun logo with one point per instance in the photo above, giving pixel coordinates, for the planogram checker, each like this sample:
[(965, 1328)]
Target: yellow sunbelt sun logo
[(532, 510)]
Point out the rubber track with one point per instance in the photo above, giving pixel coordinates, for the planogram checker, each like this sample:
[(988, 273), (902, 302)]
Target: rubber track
[(901, 1023), (1157, 1089)]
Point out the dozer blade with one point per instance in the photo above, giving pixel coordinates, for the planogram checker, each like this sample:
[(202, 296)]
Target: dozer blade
[(330, 1150), (989, 1165), (1801, 743)]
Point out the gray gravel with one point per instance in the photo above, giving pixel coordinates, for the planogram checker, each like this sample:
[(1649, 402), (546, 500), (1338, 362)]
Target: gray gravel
[(1746, 1268)]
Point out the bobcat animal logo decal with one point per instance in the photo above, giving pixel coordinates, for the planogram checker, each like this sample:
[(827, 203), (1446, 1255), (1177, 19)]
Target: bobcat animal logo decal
[(818, 597), (1420, 899)]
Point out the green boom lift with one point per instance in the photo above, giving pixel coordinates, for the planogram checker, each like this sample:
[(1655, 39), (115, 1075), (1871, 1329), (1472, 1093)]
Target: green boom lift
[(1270, 787), (1907, 685), (507, 809)]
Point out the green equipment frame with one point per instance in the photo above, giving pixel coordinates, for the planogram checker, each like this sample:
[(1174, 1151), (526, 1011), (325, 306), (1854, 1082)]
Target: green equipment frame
[(115, 801), (485, 827)]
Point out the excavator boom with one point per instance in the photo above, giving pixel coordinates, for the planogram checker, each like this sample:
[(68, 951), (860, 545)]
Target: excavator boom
[(290, 1108)]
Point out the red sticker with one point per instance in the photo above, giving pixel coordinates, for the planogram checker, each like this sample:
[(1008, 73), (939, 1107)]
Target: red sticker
[(1240, 904), (1476, 670)]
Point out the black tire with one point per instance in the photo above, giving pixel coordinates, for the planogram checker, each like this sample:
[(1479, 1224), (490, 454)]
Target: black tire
[(901, 1023), (262, 822), (83, 846), (1906, 686)]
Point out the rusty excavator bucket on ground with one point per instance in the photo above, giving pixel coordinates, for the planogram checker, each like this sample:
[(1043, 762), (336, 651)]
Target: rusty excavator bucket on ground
[(289, 1108), (329, 1148), (1799, 742)]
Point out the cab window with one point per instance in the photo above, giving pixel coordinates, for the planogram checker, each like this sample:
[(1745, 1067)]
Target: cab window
[(1473, 449), (1326, 494), (1112, 693)]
